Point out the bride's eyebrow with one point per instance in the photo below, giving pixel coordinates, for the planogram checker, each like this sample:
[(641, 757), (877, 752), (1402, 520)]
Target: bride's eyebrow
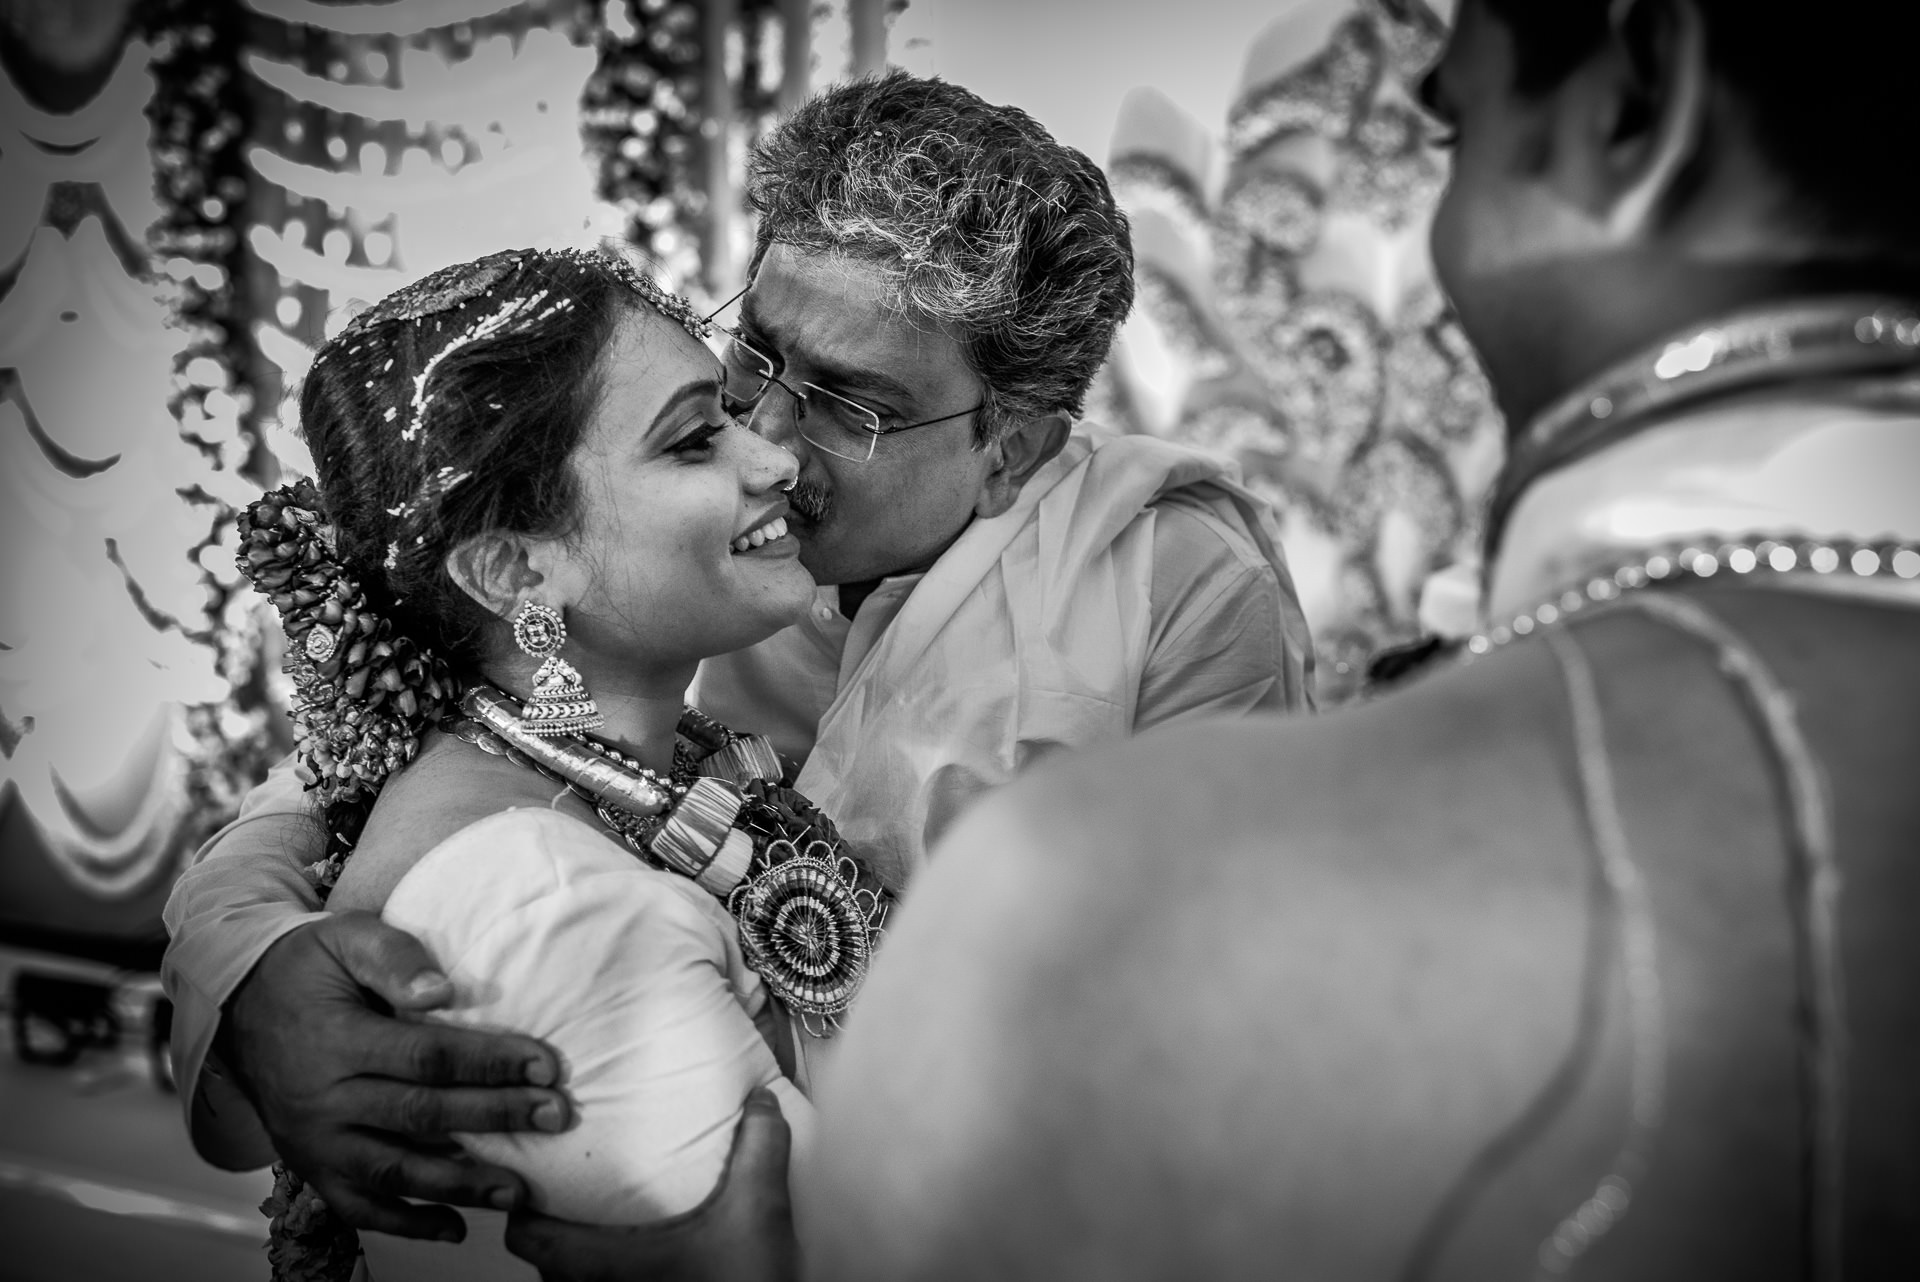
[(691, 392)]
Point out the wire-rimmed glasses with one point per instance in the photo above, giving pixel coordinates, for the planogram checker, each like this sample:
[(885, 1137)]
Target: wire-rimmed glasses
[(825, 419)]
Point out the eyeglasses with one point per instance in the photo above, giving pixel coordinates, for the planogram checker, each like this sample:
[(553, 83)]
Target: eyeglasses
[(825, 419)]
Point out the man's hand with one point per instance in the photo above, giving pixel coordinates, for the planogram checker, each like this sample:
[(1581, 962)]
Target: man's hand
[(743, 1232), (360, 1103)]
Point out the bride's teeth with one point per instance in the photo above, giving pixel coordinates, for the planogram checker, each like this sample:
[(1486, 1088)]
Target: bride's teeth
[(774, 529)]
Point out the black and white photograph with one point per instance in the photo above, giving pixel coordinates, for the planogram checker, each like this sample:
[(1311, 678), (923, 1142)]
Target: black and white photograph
[(931, 640)]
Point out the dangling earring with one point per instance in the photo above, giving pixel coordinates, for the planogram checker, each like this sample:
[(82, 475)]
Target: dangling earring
[(560, 704)]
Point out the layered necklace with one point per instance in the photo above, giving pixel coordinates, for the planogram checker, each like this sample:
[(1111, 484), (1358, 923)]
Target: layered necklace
[(810, 914), (1819, 340)]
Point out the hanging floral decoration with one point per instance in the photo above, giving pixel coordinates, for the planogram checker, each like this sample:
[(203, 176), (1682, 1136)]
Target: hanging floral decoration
[(197, 118), (643, 120)]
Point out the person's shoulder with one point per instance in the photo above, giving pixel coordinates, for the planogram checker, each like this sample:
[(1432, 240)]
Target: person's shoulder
[(457, 805), (1267, 907), (1190, 532)]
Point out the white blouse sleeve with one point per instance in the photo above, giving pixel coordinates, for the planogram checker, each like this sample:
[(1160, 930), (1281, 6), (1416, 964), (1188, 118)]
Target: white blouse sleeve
[(634, 975)]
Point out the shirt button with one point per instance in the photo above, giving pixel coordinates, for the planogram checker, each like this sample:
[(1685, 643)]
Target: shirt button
[(825, 612)]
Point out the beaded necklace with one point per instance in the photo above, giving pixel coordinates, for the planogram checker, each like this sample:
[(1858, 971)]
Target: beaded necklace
[(810, 914), (1816, 339), (1753, 555)]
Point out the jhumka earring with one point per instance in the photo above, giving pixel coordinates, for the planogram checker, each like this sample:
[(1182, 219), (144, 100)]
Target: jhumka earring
[(560, 704)]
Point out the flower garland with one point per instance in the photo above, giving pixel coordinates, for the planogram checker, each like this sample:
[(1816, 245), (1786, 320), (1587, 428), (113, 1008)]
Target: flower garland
[(363, 691), (197, 119), (642, 122)]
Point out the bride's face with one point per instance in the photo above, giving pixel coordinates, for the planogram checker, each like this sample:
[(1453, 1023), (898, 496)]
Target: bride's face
[(680, 548)]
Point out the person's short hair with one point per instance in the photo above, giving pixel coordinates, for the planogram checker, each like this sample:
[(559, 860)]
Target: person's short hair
[(1829, 89), (976, 217)]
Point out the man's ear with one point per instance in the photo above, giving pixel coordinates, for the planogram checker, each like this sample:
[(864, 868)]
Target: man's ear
[(497, 569), (1647, 115), (1024, 450)]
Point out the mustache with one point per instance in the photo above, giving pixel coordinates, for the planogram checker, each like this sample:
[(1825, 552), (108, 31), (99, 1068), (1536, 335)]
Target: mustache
[(809, 501)]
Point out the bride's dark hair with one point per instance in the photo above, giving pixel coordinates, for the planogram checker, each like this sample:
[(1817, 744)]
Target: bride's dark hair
[(422, 438)]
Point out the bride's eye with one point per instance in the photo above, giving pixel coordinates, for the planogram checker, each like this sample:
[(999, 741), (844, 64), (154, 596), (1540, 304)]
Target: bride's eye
[(700, 440)]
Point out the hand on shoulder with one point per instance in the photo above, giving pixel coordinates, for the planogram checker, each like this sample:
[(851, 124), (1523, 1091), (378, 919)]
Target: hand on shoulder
[(358, 1101)]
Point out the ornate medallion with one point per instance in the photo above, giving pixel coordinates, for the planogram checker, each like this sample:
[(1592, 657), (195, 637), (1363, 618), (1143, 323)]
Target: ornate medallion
[(805, 929)]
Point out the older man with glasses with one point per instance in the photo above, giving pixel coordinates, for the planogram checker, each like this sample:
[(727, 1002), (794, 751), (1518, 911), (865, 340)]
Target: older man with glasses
[(935, 285)]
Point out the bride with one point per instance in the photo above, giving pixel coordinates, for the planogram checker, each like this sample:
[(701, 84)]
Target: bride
[(534, 516)]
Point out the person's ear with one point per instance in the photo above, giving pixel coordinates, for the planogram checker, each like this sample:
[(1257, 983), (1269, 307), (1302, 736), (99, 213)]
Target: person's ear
[(499, 570), (1646, 116), (1025, 448)]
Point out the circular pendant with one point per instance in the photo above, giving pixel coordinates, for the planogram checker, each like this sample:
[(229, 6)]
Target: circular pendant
[(805, 933)]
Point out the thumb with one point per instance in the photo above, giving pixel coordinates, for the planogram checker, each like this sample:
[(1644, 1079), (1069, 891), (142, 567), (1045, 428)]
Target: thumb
[(389, 961)]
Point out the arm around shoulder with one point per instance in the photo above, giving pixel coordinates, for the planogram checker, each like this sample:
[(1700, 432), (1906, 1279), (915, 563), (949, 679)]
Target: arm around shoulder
[(243, 891)]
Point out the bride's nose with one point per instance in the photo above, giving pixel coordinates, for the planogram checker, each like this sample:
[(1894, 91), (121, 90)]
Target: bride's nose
[(765, 465)]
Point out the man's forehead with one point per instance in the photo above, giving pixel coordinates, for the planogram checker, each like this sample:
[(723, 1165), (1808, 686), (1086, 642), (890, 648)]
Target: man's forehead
[(842, 311)]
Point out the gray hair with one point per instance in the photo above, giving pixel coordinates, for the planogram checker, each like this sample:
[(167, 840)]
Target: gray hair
[(978, 220)]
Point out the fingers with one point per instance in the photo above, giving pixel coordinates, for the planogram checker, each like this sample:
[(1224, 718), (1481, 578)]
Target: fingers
[(389, 961), (378, 1170), (382, 1214), (430, 1112), (440, 1055)]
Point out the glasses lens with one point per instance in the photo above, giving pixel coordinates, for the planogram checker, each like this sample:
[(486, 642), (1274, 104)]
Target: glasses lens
[(839, 426), (748, 371)]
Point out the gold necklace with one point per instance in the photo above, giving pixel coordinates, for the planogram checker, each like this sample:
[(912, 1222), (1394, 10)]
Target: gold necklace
[(1755, 554)]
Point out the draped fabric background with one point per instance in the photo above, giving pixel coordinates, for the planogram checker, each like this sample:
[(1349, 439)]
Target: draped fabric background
[(192, 197)]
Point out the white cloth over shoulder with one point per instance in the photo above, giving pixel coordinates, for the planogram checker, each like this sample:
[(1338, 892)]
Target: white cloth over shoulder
[(634, 975), (1030, 633)]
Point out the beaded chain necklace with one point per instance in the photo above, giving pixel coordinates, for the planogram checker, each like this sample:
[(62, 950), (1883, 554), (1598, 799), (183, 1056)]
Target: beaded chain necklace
[(1819, 339), (1749, 557), (810, 915)]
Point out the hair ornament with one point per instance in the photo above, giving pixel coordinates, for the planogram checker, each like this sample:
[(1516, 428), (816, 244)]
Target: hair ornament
[(363, 691), (485, 327), (670, 305), (439, 291)]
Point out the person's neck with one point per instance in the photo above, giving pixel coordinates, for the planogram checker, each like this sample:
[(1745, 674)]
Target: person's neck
[(853, 594), (642, 710), (1630, 302)]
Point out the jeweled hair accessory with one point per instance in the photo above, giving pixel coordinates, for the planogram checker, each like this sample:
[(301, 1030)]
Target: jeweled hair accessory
[(455, 287), (440, 291), (670, 305)]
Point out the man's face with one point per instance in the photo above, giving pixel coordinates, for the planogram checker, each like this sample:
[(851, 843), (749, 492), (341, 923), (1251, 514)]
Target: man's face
[(824, 320)]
